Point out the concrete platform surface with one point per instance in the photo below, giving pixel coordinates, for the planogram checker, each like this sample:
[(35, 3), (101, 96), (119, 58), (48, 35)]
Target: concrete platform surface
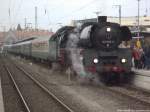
[(142, 72), (142, 78)]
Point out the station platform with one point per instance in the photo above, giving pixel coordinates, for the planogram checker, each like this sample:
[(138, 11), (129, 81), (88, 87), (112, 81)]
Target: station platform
[(1, 99), (142, 72), (142, 79)]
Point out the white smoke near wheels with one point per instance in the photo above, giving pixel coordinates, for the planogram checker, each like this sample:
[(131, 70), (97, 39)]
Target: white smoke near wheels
[(76, 57), (74, 53)]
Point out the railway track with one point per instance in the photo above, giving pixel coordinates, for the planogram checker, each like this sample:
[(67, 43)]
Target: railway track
[(49, 102), (13, 99), (18, 90)]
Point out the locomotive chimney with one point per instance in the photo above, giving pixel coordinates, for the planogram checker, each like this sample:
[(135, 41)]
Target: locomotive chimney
[(102, 19)]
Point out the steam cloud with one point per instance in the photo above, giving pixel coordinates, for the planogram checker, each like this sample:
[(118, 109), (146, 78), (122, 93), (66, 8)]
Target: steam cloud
[(75, 57), (77, 64)]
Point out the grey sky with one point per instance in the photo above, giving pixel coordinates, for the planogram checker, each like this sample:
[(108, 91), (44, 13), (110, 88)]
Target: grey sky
[(52, 12)]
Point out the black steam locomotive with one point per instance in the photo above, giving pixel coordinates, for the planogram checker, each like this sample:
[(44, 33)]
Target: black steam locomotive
[(105, 49)]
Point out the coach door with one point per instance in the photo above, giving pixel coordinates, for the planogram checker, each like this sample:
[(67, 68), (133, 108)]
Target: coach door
[(52, 50)]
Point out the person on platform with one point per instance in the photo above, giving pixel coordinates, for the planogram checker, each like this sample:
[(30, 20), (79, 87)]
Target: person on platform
[(136, 56), (147, 57)]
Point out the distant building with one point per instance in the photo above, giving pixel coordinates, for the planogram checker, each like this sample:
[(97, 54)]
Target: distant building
[(20, 35), (2, 35), (16, 35), (128, 21)]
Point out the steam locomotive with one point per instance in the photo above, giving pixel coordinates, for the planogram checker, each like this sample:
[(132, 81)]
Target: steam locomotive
[(105, 50), (99, 44)]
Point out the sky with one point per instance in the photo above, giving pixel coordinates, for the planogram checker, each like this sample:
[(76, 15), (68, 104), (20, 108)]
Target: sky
[(56, 13)]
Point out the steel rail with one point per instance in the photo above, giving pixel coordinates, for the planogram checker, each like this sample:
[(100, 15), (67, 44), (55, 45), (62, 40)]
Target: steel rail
[(17, 88), (45, 89)]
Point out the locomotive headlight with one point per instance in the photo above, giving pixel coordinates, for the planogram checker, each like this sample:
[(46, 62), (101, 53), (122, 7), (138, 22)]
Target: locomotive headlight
[(123, 60), (108, 29), (95, 60), (81, 58)]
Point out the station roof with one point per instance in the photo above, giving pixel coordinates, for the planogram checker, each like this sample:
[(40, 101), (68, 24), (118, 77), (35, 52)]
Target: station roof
[(24, 40)]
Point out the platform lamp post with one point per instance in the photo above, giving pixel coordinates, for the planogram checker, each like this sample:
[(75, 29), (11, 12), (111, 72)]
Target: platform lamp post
[(119, 6), (138, 27)]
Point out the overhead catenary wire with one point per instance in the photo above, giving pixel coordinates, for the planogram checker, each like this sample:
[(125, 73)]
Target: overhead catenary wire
[(15, 16), (48, 16), (9, 12), (77, 10), (71, 13), (146, 8), (17, 12), (13, 6), (52, 9)]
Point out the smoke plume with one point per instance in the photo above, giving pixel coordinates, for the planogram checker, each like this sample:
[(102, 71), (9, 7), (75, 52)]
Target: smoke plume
[(76, 57)]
